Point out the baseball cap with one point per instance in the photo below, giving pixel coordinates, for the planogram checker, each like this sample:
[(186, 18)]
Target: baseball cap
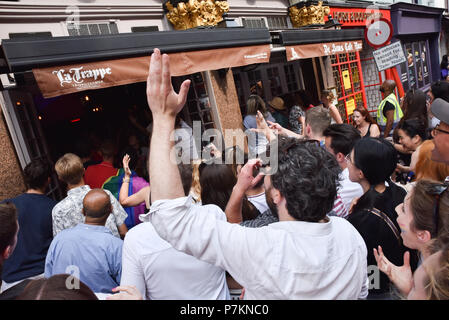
[(440, 109)]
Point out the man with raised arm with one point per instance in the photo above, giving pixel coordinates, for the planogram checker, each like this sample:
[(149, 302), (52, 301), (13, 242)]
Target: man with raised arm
[(306, 255)]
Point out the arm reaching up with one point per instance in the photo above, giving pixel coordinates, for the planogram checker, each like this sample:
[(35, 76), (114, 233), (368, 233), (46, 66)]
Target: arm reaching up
[(164, 104), (245, 181)]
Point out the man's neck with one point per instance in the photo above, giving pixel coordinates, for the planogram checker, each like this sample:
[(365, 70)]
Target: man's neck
[(318, 137), (94, 222), (73, 186), (108, 160), (35, 191)]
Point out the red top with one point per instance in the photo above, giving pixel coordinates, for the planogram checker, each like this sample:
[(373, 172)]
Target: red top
[(97, 174)]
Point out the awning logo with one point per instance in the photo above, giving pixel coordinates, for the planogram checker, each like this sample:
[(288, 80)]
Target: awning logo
[(78, 75)]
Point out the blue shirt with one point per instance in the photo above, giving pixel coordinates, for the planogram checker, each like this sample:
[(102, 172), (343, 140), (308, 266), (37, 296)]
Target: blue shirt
[(34, 237), (93, 250)]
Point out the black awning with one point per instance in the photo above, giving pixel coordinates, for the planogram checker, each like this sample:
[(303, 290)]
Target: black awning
[(23, 55), (295, 37)]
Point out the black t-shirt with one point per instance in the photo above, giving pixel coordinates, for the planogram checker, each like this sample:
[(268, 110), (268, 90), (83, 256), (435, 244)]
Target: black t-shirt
[(34, 237), (388, 106), (376, 232)]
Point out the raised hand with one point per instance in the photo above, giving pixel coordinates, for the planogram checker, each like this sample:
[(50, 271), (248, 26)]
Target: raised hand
[(402, 277), (126, 159), (126, 293), (262, 127), (246, 180), (161, 97)]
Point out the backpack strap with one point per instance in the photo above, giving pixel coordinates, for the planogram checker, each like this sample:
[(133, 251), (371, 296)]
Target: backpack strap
[(387, 220)]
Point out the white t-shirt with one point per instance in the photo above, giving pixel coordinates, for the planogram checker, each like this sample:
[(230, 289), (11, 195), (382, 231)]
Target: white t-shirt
[(160, 272), (348, 190), (259, 201)]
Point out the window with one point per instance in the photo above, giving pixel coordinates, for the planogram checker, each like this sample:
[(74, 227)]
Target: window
[(254, 23), (349, 83), (415, 72), (90, 29), (277, 23)]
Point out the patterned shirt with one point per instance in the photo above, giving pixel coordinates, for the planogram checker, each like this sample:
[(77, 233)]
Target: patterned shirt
[(68, 212), (295, 124), (263, 219)]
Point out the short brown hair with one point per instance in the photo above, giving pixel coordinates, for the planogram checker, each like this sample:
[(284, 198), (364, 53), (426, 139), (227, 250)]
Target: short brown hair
[(70, 168), (55, 288), (8, 225), (318, 118)]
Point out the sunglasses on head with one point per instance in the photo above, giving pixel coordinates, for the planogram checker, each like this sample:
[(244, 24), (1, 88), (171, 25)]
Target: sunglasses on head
[(438, 191)]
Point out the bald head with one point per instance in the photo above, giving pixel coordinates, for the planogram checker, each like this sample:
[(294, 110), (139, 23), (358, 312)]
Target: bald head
[(97, 204), (388, 86)]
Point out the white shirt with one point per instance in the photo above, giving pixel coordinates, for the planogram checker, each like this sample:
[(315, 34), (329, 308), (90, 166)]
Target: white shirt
[(160, 272), (259, 201), (348, 190), (284, 260)]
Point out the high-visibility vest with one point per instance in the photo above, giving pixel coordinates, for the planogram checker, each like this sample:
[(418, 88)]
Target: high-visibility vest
[(381, 119)]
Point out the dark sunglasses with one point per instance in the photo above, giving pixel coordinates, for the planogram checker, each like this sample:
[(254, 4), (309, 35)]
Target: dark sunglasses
[(438, 191)]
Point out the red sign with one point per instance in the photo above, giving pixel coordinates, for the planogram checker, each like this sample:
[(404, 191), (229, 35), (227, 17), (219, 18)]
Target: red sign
[(356, 17)]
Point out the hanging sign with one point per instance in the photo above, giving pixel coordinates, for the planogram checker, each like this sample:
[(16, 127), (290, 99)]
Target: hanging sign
[(346, 79), (378, 33), (350, 106), (389, 56)]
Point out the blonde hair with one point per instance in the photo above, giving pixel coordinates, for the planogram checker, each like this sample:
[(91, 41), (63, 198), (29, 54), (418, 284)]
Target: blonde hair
[(70, 168), (196, 187), (426, 168), (254, 104), (328, 94), (438, 278)]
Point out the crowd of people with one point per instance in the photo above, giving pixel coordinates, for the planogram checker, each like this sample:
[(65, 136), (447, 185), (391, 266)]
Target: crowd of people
[(352, 211)]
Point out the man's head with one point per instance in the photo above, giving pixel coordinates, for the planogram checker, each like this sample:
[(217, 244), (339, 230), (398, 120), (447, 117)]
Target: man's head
[(440, 109), (37, 174), (439, 89), (107, 150), (340, 139), (9, 228), (317, 120), (70, 169), (97, 206), (305, 184), (388, 87)]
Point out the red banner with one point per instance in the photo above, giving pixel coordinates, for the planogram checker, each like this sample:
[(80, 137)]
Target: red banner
[(357, 17)]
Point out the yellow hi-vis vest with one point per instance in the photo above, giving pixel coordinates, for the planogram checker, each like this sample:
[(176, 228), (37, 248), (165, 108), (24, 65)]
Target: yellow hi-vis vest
[(381, 119)]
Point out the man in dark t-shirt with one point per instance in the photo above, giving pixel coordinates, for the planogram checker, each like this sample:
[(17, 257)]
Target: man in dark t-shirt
[(35, 226)]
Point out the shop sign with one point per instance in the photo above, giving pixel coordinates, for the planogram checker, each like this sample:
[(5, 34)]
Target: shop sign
[(55, 81), (357, 17), (322, 49), (346, 79), (389, 56), (350, 106)]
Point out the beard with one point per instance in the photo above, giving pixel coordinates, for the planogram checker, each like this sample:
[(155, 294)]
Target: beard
[(271, 204)]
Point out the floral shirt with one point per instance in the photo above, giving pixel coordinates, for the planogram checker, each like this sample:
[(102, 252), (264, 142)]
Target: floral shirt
[(295, 124), (68, 212)]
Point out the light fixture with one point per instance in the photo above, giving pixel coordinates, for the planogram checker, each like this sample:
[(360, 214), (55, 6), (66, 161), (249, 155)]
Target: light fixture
[(39, 117), (86, 98), (18, 103)]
